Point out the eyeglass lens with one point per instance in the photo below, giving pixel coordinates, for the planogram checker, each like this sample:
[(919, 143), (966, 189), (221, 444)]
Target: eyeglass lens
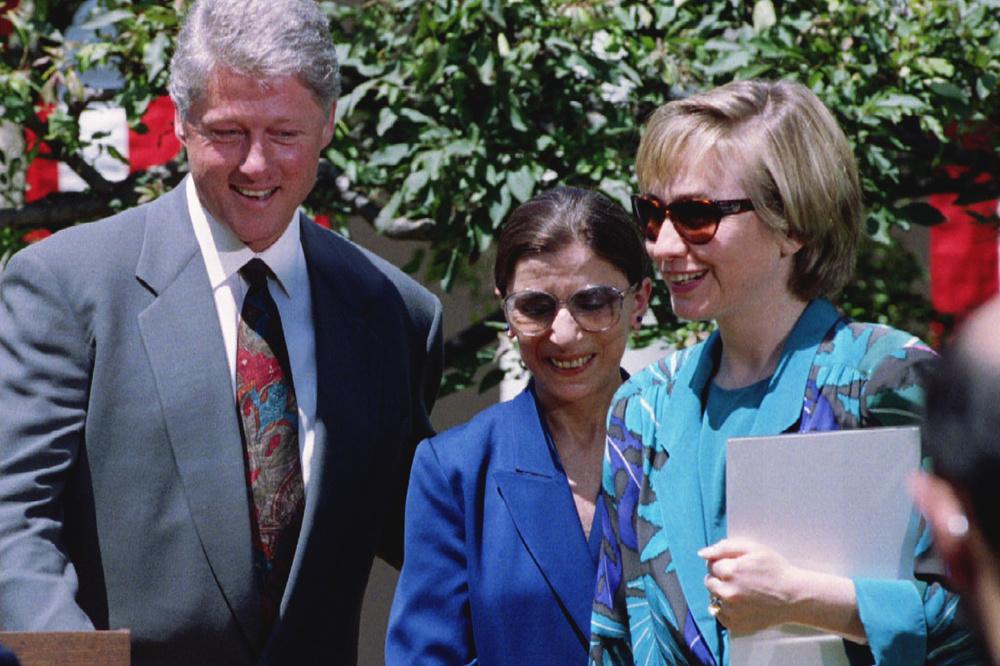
[(695, 221), (595, 309)]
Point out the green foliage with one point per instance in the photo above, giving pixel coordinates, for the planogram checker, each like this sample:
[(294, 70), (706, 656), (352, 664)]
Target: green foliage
[(43, 89), (40, 67), (458, 111), (455, 111)]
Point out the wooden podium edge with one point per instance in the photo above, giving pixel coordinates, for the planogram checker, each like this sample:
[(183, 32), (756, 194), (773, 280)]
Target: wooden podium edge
[(69, 648)]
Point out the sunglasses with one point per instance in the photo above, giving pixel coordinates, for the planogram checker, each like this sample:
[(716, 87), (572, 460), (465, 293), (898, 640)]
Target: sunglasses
[(594, 308), (695, 220)]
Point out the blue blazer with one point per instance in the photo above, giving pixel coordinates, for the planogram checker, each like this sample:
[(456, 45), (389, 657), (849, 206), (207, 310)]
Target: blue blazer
[(123, 499), (497, 569)]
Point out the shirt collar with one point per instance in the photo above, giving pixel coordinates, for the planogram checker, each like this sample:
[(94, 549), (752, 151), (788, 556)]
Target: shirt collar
[(225, 254)]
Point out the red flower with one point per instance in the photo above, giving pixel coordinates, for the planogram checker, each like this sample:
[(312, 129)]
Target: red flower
[(35, 235)]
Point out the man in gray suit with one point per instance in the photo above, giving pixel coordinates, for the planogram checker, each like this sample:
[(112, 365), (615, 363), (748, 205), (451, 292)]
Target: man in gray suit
[(209, 404)]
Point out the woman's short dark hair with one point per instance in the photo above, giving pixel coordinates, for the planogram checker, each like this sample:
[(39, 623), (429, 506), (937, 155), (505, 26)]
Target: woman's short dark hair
[(562, 216)]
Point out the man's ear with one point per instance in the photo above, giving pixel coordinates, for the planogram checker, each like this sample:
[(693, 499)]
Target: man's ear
[(940, 504), (179, 127)]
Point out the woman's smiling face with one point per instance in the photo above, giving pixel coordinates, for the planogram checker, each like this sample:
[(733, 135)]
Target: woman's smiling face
[(738, 273), (570, 364)]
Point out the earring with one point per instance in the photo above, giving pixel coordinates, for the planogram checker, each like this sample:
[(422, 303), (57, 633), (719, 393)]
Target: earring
[(958, 525)]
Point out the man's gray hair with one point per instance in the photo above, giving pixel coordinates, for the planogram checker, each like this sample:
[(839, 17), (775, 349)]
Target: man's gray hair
[(262, 38)]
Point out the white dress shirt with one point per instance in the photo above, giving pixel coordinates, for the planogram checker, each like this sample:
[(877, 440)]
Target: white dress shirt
[(224, 255)]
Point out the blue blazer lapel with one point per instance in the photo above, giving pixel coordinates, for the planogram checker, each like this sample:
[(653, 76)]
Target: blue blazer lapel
[(541, 506), (180, 333)]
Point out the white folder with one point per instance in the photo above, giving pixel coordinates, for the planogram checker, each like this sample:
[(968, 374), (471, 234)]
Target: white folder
[(834, 502)]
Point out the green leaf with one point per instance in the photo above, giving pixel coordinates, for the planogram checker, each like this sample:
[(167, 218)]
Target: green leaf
[(155, 55), (386, 119), (460, 148), (498, 208), (390, 155), (936, 67), (521, 183), (728, 63), (104, 19), (763, 15), (933, 125), (901, 101), (986, 85), (503, 46), (949, 90), (115, 153), (346, 104), (163, 16), (450, 272), (417, 117), (388, 212), (516, 120), (416, 181), (487, 71)]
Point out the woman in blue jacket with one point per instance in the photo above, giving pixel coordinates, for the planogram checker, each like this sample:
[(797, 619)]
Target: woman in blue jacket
[(752, 212), (501, 545)]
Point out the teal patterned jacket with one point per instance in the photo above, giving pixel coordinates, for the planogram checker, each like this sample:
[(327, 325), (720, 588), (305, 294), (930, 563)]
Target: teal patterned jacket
[(651, 605)]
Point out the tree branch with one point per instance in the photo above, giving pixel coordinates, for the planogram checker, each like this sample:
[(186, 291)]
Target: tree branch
[(59, 210), (74, 160), (399, 228)]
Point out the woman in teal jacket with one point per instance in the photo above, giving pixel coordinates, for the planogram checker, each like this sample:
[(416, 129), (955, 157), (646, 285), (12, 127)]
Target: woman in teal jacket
[(752, 212)]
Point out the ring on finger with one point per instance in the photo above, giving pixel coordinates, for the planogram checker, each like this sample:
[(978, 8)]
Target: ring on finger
[(714, 606)]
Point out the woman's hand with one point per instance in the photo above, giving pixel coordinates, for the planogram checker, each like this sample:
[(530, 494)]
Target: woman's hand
[(756, 588)]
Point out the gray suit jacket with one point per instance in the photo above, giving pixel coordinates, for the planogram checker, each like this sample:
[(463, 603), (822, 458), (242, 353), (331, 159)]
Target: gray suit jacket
[(122, 494)]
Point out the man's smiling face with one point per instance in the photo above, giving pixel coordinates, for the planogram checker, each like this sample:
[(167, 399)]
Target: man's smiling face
[(253, 148)]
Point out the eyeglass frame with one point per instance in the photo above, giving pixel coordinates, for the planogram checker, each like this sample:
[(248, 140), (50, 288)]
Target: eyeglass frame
[(564, 302), (725, 207)]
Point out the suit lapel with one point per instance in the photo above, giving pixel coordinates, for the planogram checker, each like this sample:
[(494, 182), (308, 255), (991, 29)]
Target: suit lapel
[(180, 332), (541, 506), (348, 364)]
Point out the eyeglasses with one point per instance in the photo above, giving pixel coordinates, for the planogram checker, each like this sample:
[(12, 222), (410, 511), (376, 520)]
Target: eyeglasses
[(695, 220), (594, 308)]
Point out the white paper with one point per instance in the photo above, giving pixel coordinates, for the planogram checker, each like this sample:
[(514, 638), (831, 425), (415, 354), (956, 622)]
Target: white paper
[(834, 502)]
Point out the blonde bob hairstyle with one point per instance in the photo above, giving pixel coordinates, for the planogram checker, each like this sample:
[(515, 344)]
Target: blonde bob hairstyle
[(791, 158)]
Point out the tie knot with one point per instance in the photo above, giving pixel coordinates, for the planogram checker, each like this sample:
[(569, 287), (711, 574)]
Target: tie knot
[(256, 271)]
